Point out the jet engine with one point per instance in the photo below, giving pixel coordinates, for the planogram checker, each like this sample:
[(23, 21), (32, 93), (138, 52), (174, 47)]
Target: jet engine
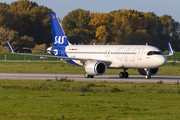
[(95, 68), (153, 71)]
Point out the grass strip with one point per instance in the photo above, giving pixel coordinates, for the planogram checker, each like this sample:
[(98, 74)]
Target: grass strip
[(61, 67), (64, 99)]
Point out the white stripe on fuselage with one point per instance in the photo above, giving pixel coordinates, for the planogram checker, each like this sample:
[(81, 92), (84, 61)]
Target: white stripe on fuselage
[(121, 56)]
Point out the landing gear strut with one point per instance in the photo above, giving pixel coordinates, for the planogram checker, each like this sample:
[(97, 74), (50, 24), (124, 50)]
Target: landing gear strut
[(148, 74), (124, 74), (86, 75)]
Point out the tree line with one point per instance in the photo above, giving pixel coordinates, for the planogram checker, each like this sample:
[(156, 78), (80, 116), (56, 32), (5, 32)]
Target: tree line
[(26, 24), (121, 27)]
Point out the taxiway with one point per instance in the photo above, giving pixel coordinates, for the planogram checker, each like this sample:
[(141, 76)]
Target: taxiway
[(80, 77)]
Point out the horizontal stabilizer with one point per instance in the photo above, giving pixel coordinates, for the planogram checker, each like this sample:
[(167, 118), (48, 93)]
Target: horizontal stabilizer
[(38, 49)]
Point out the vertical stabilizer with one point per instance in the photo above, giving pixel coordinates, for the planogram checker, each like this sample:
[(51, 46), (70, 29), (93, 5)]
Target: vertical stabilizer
[(59, 38)]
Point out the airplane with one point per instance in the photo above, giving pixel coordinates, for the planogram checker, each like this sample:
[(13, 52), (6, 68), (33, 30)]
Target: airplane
[(97, 58)]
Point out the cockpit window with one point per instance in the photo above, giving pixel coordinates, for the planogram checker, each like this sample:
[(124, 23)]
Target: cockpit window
[(154, 53)]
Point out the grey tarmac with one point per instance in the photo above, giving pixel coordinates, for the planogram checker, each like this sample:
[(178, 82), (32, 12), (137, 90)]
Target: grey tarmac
[(80, 77)]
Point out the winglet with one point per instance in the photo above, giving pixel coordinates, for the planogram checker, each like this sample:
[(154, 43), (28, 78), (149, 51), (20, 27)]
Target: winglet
[(170, 49), (10, 48)]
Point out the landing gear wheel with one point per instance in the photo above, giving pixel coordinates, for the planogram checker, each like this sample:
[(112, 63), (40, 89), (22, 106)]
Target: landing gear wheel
[(148, 76), (126, 75), (121, 74), (91, 76), (86, 75)]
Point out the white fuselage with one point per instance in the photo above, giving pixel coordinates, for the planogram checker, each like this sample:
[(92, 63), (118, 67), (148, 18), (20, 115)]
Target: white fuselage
[(121, 56)]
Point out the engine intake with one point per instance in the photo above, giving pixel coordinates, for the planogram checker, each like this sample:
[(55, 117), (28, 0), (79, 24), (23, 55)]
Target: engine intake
[(95, 68), (153, 71)]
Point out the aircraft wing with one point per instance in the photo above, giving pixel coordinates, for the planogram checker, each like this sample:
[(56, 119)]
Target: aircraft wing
[(83, 60), (170, 50)]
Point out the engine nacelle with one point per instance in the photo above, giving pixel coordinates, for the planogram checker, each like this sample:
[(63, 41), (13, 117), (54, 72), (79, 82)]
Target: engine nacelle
[(153, 71), (95, 68)]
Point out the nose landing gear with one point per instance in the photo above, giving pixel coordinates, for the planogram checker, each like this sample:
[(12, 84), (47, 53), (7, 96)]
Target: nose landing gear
[(148, 74)]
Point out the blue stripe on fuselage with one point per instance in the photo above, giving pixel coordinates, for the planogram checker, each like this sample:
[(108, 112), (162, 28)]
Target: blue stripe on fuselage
[(72, 62)]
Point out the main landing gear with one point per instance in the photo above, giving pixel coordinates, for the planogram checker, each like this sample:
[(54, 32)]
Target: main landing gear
[(124, 74), (148, 74), (88, 76)]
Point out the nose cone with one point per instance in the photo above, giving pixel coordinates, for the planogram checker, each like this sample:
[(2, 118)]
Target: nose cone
[(164, 61), (161, 61)]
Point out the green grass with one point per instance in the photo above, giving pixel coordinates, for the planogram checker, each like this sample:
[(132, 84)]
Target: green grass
[(61, 67), (39, 67), (10, 56), (55, 100), (175, 57)]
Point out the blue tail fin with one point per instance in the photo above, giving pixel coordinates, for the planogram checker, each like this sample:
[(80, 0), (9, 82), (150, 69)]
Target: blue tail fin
[(59, 38)]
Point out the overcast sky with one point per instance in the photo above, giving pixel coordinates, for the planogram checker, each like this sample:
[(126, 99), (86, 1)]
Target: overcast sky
[(159, 7)]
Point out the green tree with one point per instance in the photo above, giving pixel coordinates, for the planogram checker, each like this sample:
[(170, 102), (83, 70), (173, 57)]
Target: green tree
[(23, 6), (7, 18), (76, 39), (42, 46), (76, 23), (123, 31), (4, 5), (102, 34), (25, 22), (14, 39), (28, 18), (170, 31), (100, 27)]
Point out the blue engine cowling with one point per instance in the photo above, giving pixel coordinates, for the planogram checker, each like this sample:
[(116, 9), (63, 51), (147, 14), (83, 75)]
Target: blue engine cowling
[(95, 68)]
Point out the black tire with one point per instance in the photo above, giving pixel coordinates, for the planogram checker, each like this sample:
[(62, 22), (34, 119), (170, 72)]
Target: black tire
[(121, 75), (148, 76), (126, 75), (86, 75), (91, 76)]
